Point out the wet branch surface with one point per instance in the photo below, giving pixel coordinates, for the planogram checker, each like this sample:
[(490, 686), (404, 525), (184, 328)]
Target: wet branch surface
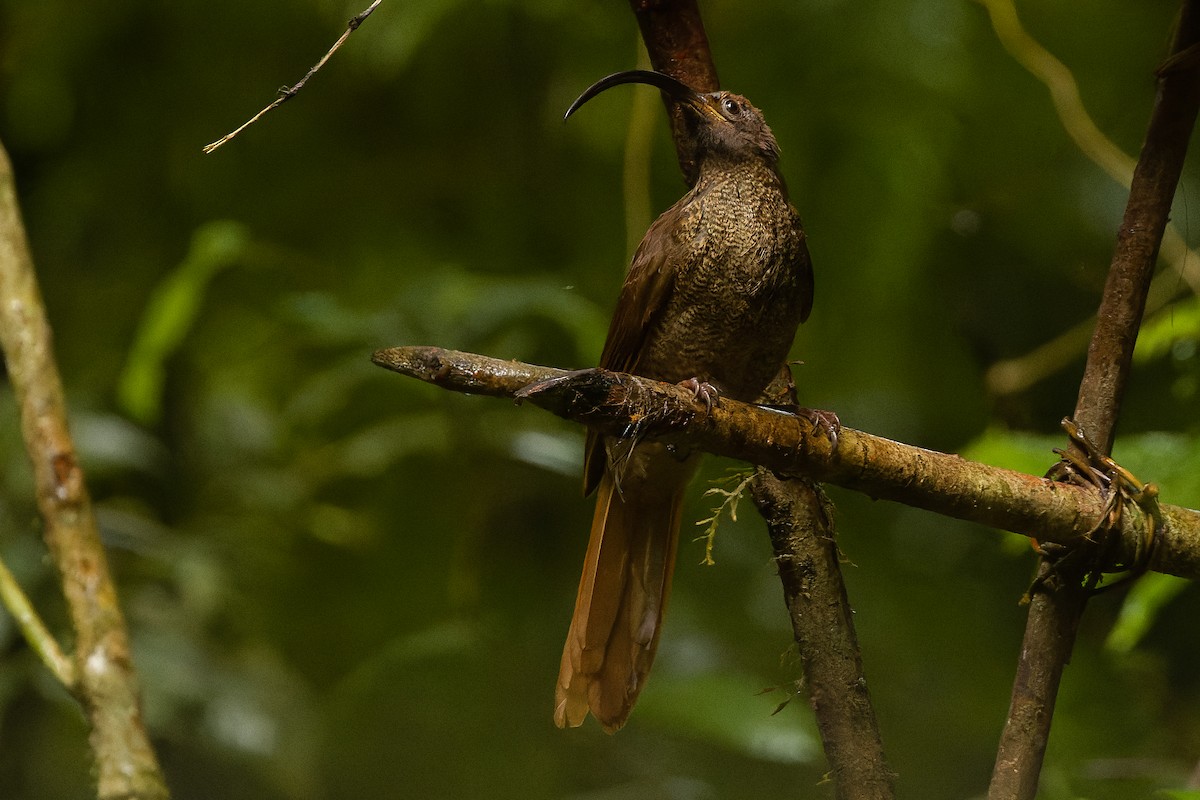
[(1055, 611), (622, 404)]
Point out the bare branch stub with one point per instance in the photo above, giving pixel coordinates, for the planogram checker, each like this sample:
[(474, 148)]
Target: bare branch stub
[(463, 372)]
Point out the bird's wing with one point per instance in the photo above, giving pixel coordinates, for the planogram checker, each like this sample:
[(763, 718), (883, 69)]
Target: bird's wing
[(643, 298), (804, 270)]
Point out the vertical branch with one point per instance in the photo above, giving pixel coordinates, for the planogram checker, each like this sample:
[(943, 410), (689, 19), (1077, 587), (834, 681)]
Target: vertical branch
[(678, 46), (1140, 235), (125, 764), (1054, 612), (800, 521), (802, 533), (796, 511)]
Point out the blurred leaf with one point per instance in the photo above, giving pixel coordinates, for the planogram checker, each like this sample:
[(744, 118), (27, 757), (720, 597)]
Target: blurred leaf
[(367, 452), (327, 320), (402, 30), (439, 639), (1166, 459), (556, 452), (456, 306), (1179, 323), (721, 708), (169, 315), (110, 443), (1145, 600), (1024, 452)]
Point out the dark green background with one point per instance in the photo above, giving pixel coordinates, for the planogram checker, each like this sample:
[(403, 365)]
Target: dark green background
[(342, 583)]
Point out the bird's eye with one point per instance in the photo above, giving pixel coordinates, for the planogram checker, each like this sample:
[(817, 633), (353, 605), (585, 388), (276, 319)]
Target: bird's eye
[(731, 106)]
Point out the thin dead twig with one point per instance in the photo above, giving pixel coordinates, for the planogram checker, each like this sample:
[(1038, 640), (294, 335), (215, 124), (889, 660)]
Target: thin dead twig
[(288, 92)]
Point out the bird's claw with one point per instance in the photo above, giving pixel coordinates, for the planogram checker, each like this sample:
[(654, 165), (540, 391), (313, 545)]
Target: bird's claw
[(826, 422), (703, 391)]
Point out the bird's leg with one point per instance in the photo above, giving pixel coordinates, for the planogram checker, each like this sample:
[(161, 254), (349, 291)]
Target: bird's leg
[(784, 388)]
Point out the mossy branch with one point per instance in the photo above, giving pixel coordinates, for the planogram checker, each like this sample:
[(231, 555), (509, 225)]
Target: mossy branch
[(785, 443)]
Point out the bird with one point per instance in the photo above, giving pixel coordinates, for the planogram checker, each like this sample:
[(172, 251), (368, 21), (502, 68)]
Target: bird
[(712, 300)]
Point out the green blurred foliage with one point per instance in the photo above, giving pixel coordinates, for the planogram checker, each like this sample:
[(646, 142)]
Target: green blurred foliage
[(345, 584)]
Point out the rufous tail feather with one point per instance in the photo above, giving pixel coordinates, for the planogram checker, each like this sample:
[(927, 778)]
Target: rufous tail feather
[(622, 595)]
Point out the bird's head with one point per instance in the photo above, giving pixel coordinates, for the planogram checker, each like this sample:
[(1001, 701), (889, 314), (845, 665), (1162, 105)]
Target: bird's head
[(721, 123)]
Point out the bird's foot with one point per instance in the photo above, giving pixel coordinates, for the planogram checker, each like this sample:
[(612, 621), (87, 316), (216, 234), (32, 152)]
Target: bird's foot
[(703, 391), (826, 422)]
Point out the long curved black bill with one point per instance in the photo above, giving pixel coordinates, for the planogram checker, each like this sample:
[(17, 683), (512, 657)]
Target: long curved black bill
[(672, 86)]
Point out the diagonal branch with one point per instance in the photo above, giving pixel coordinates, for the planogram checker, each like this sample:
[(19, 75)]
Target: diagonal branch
[(1017, 374), (35, 631), (800, 521), (621, 404), (106, 686), (1139, 238), (1054, 613)]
